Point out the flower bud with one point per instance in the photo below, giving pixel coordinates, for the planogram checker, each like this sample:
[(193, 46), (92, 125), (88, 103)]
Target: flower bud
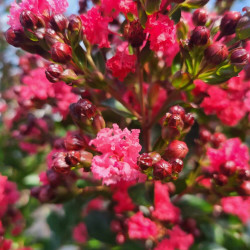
[(176, 149), (243, 26), (115, 226), (53, 72), (220, 179), (178, 110), (175, 121), (28, 19), (72, 158), (75, 23), (188, 120), (177, 165), (98, 123), (40, 33), (61, 53), (162, 169), (120, 238), (155, 157), (229, 22), (15, 37), (75, 141), (85, 108), (205, 136), (46, 194), (59, 164), (229, 168), (51, 37), (244, 188), (134, 33), (144, 161), (35, 191), (239, 57), (54, 178), (59, 22), (244, 174), (216, 53), (200, 17), (68, 76), (218, 139), (199, 36)]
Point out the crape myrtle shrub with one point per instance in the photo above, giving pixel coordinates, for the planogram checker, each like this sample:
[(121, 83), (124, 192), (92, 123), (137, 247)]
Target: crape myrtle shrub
[(126, 127)]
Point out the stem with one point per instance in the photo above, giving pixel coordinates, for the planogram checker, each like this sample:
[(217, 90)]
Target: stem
[(175, 8)]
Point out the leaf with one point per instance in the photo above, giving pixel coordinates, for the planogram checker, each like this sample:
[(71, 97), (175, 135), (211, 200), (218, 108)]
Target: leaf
[(193, 206), (152, 6), (142, 194), (98, 225), (146, 54), (210, 246), (180, 79), (176, 16), (117, 107)]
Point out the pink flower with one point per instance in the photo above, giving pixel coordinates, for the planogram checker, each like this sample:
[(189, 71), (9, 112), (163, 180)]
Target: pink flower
[(170, 53), (38, 7), (95, 204), (161, 32), (80, 233), (164, 209), (178, 240), (120, 149), (5, 244), (95, 27), (238, 206), (140, 227), (122, 62), (110, 7), (122, 198), (231, 150), (128, 6)]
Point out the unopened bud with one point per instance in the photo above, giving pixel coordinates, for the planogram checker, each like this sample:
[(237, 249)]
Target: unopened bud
[(59, 22), (200, 17), (239, 57), (162, 169), (244, 188), (177, 165), (217, 139), (175, 121), (51, 37), (35, 191), (46, 194), (68, 76), (14, 37), (28, 19), (59, 164), (176, 149), (115, 226), (178, 110), (199, 36), (120, 238), (61, 53), (134, 33), (155, 157), (75, 141), (53, 72), (54, 178), (205, 136), (220, 179), (188, 120), (229, 22), (244, 174), (229, 168), (216, 53), (98, 123), (75, 23), (243, 26), (85, 108), (144, 161)]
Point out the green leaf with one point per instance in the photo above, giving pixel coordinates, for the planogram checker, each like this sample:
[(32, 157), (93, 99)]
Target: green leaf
[(79, 56), (180, 79), (176, 16), (117, 107), (146, 54), (210, 246), (142, 194), (152, 6), (193, 206)]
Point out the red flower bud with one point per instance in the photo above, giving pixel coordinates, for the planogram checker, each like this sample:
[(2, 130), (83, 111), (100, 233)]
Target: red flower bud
[(51, 37), (134, 33), (199, 36), (220, 179), (155, 157), (15, 37), (75, 141), (59, 164), (115, 226), (35, 191), (61, 53), (53, 72), (218, 139), (205, 135), (229, 168), (239, 57), (229, 22), (177, 165), (178, 110), (54, 178), (72, 158), (244, 188), (216, 53), (200, 17), (75, 23), (244, 174), (28, 19), (98, 123), (188, 120), (46, 194), (162, 169), (144, 161), (120, 238), (83, 108), (59, 22), (176, 149), (175, 121)]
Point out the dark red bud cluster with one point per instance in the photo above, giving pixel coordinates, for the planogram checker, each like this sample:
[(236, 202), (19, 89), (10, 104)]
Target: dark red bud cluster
[(61, 52), (134, 33), (53, 72), (216, 53), (199, 37), (220, 179), (176, 121), (229, 22), (147, 160), (239, 57), (200, 17)]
